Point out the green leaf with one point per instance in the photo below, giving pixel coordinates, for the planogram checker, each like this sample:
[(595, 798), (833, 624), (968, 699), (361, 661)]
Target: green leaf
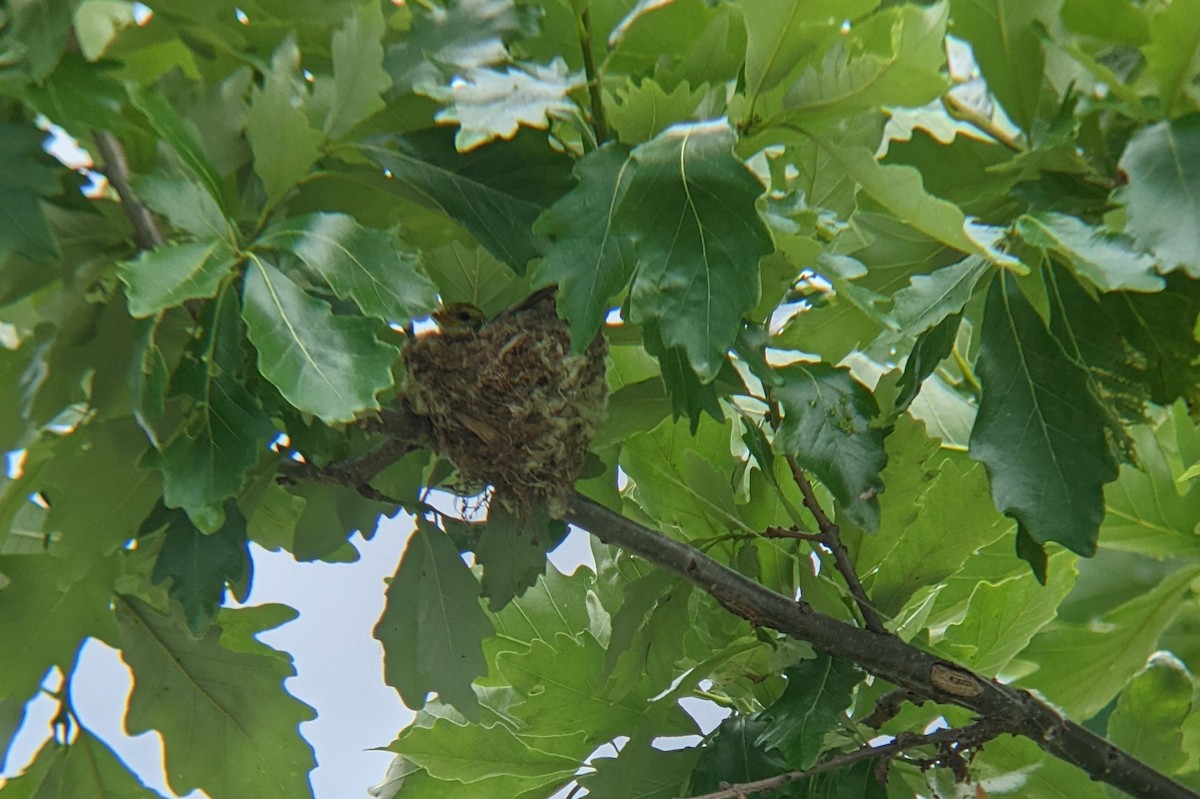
[(1082, 667), (97, 491), (1172, 56), (689, 395), (181, 135), (444, 41), (488, 104), (1004, 38), (899, 189), (1148, 717), (1162, 197), (12, 717), (29, 176), (359, 263), (84, 769), (358, 77), (639, 112), (238, 713), (894, 57), (1148, 511), (331, 366), (185, 203), (827, 419), (284, 144), (589, 260), (931, 348), (432, 625), (473, 753), (227, 430), (1106, 259), (39, 30), (935, 516), (690, 210), (1161, 330), (1039, 432), (857, 781), (474, 275), (733, 755), (780, 34), (174, 273), (680, 478), (48, 608), (642, 771), (1002, 618), (199, 565), (512, 551), (495, 192), (815, 701)]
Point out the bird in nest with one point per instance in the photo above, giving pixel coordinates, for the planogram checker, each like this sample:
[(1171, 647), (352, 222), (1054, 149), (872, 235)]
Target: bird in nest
[(509, 402)]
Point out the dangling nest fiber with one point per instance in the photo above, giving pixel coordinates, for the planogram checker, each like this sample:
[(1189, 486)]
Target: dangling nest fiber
[(509, 404)]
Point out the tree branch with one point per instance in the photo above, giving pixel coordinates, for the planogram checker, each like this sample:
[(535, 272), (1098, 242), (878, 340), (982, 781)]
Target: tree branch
[(1014, 710), (831, 537), (115, 167), (953, 742)]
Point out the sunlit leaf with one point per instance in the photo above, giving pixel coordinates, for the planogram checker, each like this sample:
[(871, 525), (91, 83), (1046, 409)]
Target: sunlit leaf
[(488, 104), (359, 263), (1162, 163), (332, 366), (1104, 258)]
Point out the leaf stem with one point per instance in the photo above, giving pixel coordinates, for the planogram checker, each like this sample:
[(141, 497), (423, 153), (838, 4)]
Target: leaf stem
[(960, 110), (831, 537), (599, 120)]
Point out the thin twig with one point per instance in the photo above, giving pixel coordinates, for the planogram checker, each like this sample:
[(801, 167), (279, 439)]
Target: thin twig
[(780, 532), (961, 110), (599, 120), (888, 706), (954, 741), (356, 473), (831, 537), (115, 167)]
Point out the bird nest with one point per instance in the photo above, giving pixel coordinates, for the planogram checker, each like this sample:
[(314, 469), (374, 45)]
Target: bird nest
[(510, 405)]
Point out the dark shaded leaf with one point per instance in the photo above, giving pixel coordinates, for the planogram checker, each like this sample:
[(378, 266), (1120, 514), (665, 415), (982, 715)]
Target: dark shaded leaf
[(227, 430), (827, 418), (932, 346), (432, 625), (589, 260), (690, 210), (512, 551), (818, 692), (495, 192), (198, 565), (1039, 431)]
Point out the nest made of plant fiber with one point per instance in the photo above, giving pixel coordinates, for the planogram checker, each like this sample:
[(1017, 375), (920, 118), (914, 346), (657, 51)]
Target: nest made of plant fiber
[(509, 404)]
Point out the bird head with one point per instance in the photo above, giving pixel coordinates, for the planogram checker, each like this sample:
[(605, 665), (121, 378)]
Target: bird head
[(458, 317)]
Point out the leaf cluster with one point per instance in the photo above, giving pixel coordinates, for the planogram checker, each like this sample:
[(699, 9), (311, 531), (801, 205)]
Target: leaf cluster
[(852, 279)]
